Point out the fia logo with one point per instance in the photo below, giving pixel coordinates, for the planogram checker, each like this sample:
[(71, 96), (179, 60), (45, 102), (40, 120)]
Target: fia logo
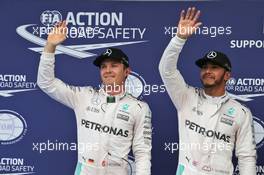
[(231, 82), (50, 18)]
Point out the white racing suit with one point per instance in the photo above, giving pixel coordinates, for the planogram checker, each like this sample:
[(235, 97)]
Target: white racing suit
[(106, 131), (209, 127)]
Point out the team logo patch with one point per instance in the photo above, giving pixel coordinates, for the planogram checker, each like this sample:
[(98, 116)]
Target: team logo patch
[(125, 107), (92, 109), (231, 111), (108, 52), (211, 55), (227, 121), (123, 117), (207, 168)]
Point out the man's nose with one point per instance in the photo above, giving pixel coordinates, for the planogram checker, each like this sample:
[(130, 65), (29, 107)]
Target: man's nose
[(208, 69), (108, 68)]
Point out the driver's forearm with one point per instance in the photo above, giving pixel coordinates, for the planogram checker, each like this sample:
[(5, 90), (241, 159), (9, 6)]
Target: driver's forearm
[(49, 48)]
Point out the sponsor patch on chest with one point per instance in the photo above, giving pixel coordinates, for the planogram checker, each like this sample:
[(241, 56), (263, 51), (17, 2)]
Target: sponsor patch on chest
[(227, 121), (122, 117)]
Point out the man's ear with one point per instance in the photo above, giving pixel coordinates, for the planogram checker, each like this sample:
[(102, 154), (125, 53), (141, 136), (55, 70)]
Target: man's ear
[(227, 76), (128, 70)]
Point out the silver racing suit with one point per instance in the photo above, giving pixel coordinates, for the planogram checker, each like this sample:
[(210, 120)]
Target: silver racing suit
[(108, 126), (209, 127)]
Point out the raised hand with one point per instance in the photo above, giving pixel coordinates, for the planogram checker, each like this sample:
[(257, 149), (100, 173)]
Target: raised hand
[(56, 37), (58, 34), (188, 23)]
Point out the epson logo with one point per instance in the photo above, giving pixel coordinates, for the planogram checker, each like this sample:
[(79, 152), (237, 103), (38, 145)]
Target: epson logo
[(51, 17)]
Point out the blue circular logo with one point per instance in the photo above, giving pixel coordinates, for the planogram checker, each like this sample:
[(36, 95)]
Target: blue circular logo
[(259, 131), (135, 84), (132, 165), (13, 127)]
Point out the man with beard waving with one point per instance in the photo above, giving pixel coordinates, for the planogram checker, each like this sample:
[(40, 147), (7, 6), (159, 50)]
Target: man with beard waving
[(211, 124)]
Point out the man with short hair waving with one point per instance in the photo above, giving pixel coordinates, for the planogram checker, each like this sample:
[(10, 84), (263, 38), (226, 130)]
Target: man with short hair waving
[(109, 119)]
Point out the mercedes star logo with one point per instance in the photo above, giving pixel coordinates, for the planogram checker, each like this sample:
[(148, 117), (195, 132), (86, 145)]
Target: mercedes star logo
[(211, 54), (108, 52)]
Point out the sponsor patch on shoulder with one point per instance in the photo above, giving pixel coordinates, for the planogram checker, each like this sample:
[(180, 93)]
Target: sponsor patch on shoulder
[(227, 121), (122, 117)]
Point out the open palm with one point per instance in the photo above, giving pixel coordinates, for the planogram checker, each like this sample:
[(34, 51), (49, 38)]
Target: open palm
[(58, 34), (188, 23)]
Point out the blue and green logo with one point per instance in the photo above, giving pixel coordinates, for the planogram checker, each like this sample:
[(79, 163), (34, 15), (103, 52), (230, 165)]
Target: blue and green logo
[(231, 111), (125, 107)]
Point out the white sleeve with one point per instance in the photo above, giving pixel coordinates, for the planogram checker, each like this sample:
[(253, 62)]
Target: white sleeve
[(142, 141), (245, 146), (170, 75), (51, 85)]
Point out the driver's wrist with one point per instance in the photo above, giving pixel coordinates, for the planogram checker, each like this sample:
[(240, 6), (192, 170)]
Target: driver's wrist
[(50, 47), (181, 36)]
